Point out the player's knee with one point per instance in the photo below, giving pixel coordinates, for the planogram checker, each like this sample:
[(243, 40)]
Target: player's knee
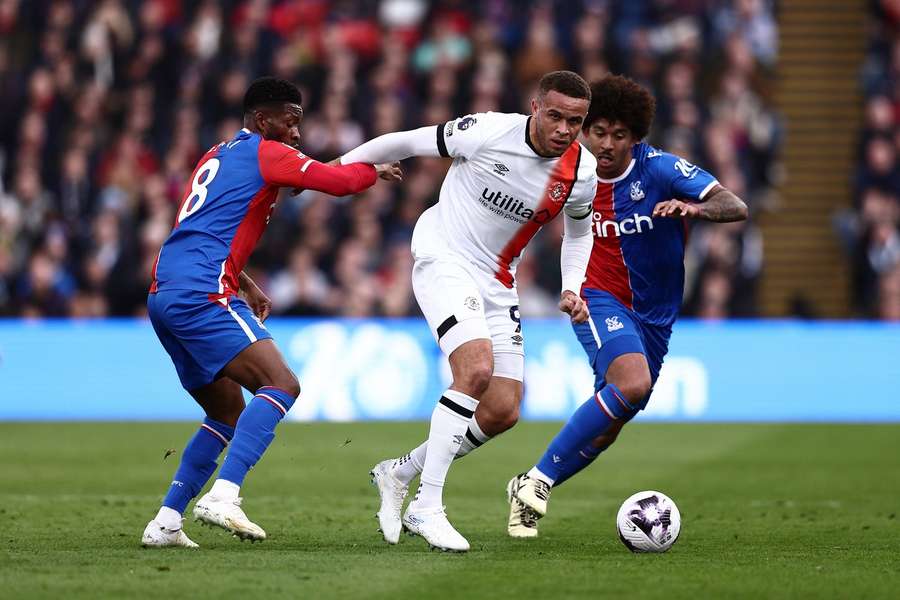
[(635, 389), (290, 384), (475, 378), (230, 415)]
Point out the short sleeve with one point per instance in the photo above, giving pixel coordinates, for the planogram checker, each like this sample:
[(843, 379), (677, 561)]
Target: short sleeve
[(463, 136), (683, 180)]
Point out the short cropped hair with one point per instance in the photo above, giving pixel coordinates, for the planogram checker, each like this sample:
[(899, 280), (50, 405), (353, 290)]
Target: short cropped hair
[(617, 98), (566, 83), (270, 90)]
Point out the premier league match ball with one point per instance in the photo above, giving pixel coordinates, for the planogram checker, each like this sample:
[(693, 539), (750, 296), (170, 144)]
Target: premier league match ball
[(648, 522)]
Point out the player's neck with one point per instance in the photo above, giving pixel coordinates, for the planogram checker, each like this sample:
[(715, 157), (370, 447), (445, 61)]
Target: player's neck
[(610, 176), (250, 125), (531, 135)]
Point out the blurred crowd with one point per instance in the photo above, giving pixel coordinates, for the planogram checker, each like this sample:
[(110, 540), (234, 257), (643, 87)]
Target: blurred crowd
[(871, 230), (106, 106)]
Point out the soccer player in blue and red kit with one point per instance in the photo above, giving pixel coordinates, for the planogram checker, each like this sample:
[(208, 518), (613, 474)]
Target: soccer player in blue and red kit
[(634, 282), (216, 338)]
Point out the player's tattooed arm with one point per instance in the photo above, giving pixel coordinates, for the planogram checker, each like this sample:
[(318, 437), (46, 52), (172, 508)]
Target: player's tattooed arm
[(258, 302), (720, 206)]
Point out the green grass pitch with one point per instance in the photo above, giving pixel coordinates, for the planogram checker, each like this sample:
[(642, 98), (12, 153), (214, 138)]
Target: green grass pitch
[(793, 511)]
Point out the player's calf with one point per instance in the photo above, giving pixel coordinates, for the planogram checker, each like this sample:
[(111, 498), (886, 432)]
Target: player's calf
[(254, 433), (198, 462)]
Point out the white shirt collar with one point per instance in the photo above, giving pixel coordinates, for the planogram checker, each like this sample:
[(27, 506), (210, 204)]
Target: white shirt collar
[(620, 177)]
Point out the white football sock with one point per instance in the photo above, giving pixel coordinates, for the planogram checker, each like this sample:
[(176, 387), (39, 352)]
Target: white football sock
[(475, 438), (225, 490), (409, 465), (169, 518), (536, 473), (449, 422)]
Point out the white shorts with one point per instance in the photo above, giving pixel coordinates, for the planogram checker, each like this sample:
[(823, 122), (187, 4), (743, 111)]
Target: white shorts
[(462, 303)]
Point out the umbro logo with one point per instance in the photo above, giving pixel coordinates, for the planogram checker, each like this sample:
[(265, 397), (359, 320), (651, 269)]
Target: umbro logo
[(556, 459), (501, 169), (613, 324), (458, 439)]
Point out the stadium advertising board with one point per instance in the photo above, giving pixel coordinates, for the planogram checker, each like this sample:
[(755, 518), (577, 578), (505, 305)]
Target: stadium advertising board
[(392, 369)]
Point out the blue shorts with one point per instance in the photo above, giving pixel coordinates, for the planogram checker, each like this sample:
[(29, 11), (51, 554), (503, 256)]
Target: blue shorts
[(202, 335), (614, 330)]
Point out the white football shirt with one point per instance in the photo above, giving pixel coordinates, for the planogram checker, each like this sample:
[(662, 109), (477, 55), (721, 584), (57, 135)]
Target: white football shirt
[(499, 192)]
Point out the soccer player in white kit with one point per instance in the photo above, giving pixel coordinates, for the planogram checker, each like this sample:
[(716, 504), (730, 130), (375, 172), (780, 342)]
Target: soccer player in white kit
[(511, 174)]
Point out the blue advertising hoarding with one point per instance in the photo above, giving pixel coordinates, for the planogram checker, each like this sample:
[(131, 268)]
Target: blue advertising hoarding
[(392, 369)]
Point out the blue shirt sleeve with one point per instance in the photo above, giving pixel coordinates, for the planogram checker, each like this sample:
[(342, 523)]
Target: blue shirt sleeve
[(680, 179)]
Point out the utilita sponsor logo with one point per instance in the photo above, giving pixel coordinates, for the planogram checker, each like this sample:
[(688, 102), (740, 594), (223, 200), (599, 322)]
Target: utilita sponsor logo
[(512, 208), (631, 225)]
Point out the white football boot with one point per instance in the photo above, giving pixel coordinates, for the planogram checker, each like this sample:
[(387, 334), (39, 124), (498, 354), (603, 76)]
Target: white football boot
[(531, 492), (432, 524), (392, 493), (522, 520), (156, 535), (228, 515)]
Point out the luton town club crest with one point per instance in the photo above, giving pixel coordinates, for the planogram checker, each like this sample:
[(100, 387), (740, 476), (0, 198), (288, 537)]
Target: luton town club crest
[(557, 191)]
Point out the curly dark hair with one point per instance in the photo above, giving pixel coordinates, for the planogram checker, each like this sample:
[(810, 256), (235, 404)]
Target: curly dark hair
[(270, 90), (617, 98)]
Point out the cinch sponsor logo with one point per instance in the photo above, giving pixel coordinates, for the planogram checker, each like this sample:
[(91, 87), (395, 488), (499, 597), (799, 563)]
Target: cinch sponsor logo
[(636, 224), (512, 208)]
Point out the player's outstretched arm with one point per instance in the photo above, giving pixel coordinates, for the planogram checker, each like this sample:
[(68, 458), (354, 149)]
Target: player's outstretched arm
[(391, 147), (574, 255), (720, 205), (284, 166)]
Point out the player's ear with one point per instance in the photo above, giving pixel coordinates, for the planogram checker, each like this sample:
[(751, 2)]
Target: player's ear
[(534, 107), (262, 122)]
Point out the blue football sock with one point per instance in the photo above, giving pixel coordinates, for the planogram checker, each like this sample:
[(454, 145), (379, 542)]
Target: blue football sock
[(588, 422), (198, 463), (579, 462), (254, 432)]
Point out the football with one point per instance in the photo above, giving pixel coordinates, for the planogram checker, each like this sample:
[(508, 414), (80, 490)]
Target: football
[(648, 522)]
